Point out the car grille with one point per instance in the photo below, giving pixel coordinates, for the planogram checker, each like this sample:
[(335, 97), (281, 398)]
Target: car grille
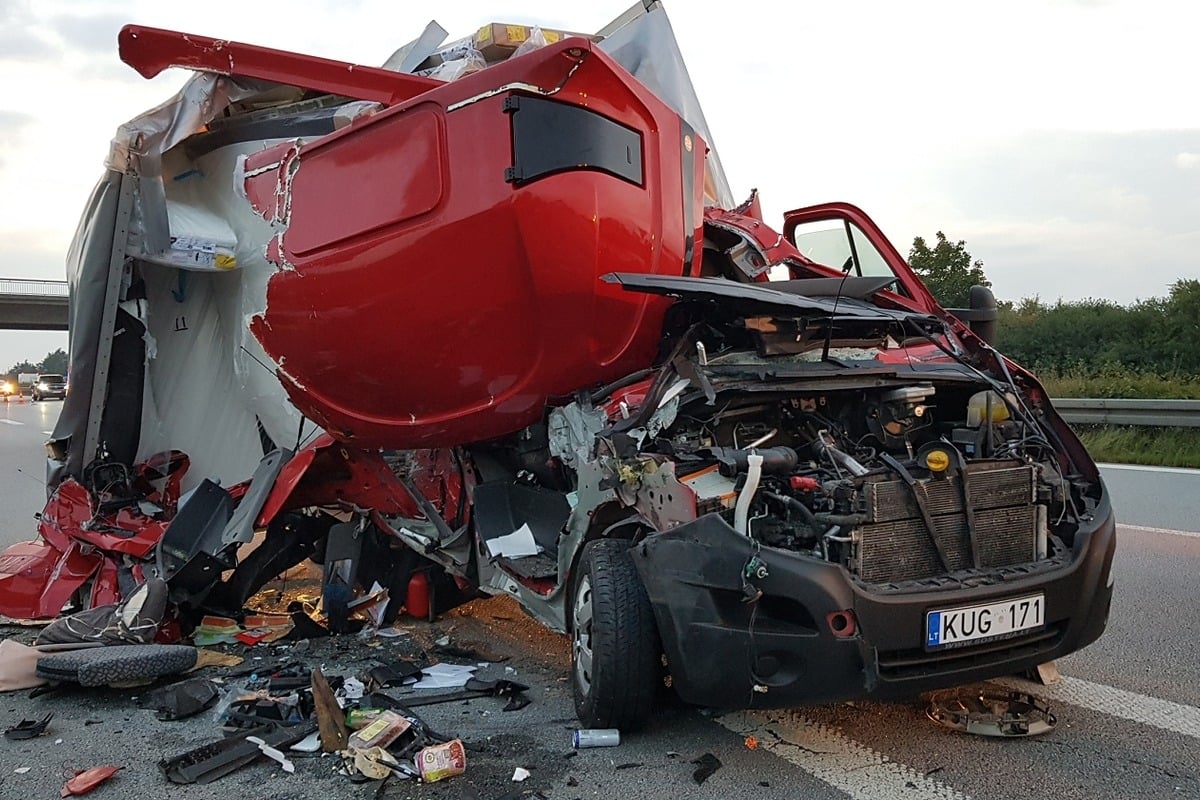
[(901, 664), (896, 545)]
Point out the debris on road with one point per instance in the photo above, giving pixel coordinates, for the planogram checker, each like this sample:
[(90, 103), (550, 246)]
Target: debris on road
[(595, 737), (330, 720), (18, 666), (28, 728), (88, 779), (706, 765), (441, 761), (991, 712), (116, 664), (181, 700)]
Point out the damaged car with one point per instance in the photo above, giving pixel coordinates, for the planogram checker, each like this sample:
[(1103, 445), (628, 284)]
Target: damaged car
[(489, 318)]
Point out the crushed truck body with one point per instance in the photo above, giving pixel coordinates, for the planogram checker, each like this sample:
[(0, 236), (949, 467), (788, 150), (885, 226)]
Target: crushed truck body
[(489, 316)]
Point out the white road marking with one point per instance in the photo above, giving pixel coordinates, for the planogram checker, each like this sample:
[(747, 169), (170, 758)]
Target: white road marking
[(48, 433), (826, 754), (1151, 711), (11, 422), (1145, 468), (1159, 530)]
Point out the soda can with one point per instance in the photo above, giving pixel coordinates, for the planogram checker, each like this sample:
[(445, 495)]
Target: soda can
[(596, 737), (442, 761)]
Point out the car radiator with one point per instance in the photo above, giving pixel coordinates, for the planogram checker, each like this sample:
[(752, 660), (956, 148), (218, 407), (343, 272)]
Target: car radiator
[(896, 545)]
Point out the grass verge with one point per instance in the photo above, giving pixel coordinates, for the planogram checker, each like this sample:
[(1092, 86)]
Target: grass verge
[(1115, 383), (1157, 447)]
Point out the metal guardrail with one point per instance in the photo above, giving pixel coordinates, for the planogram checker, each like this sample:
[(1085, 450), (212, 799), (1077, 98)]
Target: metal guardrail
[(1157, 413), (34, 288)]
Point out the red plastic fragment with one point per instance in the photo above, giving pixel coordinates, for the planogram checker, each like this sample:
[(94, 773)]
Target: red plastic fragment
[(88, 779)]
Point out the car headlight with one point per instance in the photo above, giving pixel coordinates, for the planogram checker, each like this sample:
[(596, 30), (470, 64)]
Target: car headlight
[(42, 387), (6, 387)]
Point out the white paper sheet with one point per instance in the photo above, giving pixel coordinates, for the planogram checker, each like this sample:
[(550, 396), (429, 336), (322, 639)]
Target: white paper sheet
[(445, 676), (517, 544)]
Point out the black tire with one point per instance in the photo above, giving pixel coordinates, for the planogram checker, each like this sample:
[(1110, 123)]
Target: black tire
[(616, 657)]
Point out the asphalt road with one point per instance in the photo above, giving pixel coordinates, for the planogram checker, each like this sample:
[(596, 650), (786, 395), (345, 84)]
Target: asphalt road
[(1128, 707), (24, 428)]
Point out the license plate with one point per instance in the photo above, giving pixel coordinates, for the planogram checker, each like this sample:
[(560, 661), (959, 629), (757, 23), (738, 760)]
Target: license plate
[(987, 622)]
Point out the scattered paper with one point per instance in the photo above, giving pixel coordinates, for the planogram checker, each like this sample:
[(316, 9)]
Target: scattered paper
[(371, 606), (518, 544), (215, 658), (445, 676), (520, 774), (391, 633), (352, 689), (22, 770), (309, 744)]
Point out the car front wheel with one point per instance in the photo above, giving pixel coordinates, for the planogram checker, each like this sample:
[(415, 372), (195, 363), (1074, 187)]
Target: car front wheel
[(615, 650)]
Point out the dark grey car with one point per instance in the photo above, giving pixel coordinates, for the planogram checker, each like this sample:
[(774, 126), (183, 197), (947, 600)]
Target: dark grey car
[(50, 386)]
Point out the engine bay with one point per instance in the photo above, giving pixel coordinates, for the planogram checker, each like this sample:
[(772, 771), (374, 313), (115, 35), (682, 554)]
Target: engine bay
[(899, 482)]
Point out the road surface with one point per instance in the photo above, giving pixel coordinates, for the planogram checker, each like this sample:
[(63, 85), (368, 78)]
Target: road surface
[(1128, 707)]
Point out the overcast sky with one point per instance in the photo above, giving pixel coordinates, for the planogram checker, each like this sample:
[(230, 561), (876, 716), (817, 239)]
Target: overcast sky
[(1060, 138)]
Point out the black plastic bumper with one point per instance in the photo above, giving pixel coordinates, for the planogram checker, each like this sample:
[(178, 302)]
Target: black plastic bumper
[(782, 650)]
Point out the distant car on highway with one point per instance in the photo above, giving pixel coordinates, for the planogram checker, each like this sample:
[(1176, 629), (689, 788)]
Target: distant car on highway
[(49, 385), (7, 388)]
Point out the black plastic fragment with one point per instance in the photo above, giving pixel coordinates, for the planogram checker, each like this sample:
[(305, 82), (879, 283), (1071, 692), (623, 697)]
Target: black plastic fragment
[(28, 728), (475, 687), (707, 764), (214, 760), (392, 674), (304, 627), (181, 700)]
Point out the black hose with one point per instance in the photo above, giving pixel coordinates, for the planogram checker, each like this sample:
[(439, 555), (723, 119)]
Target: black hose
[(802, 509), (733, 461)]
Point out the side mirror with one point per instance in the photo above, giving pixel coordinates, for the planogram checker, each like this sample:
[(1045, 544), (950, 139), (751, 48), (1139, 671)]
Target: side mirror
[(982, 314)]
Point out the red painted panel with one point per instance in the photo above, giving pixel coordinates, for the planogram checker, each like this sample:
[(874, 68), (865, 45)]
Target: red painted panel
[(68, 575), (459, 322), (151, 50), (392, 172), (25, 568)]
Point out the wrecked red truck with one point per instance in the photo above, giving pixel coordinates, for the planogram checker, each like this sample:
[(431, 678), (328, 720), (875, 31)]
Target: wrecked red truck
[(500, 325)]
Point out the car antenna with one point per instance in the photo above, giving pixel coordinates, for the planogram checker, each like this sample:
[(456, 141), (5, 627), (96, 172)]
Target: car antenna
[(303, 419), (39, 481), (850, 262)]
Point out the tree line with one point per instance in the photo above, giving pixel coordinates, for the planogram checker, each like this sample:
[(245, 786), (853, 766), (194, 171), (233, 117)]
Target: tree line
[(1157, 336), (54, 363)]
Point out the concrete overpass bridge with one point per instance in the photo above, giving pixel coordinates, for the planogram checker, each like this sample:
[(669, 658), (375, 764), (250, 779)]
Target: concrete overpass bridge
[(33, 305)]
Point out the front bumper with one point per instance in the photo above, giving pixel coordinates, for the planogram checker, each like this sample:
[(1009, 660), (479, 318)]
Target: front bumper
[(781, 650)]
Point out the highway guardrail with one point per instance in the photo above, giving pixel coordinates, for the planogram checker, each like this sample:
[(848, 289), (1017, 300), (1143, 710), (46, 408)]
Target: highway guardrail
[(1157, 413)]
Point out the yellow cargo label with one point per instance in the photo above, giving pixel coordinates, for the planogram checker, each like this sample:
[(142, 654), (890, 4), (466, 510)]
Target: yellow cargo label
[(551, 36), (517, 33), (484, 34), (226, 262)]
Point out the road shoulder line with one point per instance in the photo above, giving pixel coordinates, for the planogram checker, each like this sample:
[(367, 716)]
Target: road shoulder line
[(841, 762)]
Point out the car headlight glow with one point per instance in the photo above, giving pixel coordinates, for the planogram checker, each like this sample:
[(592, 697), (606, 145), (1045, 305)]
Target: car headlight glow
[(42, 386)]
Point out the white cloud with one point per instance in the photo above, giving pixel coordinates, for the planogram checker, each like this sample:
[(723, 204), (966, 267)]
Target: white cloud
[(1011, 126)]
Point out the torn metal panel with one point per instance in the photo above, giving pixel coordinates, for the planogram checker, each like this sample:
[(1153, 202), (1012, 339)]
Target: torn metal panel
[(409, 56), (643, 42), (151, 50)]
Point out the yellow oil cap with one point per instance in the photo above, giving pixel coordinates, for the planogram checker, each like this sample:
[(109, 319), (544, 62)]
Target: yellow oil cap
[(937, 460)]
